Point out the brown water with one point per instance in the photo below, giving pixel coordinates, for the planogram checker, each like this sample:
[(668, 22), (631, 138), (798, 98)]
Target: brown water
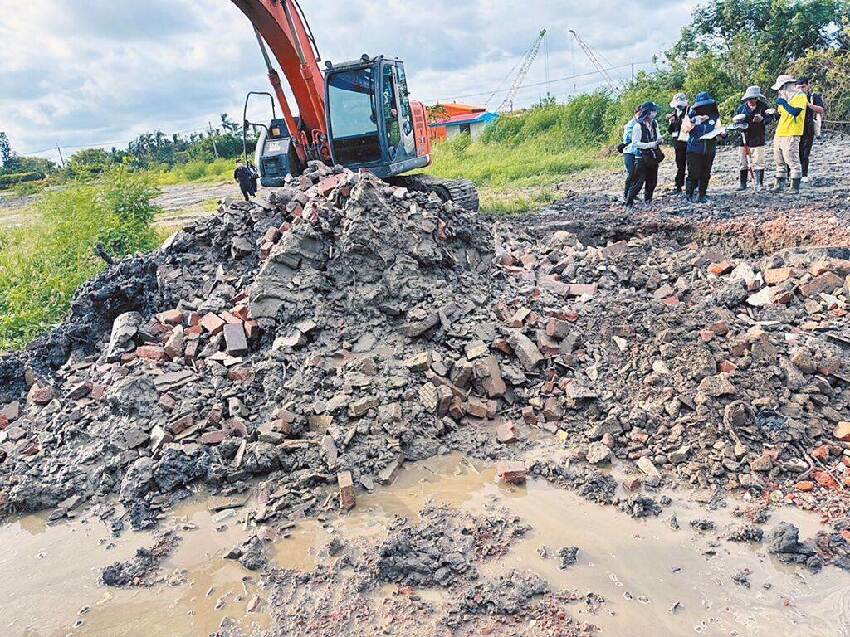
[(643, 568)]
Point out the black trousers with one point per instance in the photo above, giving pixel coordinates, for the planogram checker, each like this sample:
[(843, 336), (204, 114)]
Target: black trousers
[(646, 177), (629, 162), (806, 143), (246, 190), (699, 172), (681, 162)]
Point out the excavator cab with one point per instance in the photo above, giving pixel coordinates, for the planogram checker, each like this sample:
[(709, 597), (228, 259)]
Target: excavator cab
[(370, 119)]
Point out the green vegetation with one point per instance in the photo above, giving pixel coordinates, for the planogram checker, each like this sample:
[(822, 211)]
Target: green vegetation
[(217, 170), (729, 45), (43, 263)]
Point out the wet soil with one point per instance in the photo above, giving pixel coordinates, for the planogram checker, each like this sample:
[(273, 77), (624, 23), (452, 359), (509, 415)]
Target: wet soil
[(654, 579)]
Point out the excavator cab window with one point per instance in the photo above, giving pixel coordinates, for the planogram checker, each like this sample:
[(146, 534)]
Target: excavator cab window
[(353, 121)]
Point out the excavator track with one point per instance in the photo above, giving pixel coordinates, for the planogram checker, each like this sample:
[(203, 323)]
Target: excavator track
[(460, 191)]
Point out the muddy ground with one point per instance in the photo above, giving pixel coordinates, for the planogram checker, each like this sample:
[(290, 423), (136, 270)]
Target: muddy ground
[(655, 498)]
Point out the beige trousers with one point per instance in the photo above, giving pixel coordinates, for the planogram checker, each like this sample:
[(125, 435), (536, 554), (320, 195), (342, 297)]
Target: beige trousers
[(756, 158), (786, 154)]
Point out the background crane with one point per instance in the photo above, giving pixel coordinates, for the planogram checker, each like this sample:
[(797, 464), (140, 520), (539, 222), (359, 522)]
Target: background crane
[(594, 59), (527, 60)]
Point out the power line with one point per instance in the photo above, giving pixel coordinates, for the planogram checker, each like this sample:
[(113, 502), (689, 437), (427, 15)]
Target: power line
[(559, 79)]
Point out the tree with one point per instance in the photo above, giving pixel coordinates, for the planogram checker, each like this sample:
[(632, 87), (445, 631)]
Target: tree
[(89, 162), (758, 39), (6, 152)]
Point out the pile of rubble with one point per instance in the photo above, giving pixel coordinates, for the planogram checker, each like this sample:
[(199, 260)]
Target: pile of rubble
[(346, 326)]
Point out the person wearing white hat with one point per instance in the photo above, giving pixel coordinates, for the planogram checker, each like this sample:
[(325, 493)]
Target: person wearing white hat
[(754, 114), (679, 104), (791, 106)]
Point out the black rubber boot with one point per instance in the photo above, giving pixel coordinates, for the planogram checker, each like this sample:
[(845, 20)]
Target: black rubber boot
[(759, 180), (779, 185), (795, 186), (703, 198), (743, 178)]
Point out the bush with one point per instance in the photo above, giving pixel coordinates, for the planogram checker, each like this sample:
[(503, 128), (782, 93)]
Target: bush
[(43, 263), (11, 179)]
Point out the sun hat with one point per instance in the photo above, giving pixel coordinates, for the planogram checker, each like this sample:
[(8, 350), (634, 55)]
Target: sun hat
[(704, 99), (782, 80), (679, 99), (753, 93)]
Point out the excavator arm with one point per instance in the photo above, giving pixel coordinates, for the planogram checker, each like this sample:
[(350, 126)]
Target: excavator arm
[(281, 25)]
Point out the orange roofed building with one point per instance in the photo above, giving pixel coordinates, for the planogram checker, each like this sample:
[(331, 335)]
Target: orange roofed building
[(460, 118)]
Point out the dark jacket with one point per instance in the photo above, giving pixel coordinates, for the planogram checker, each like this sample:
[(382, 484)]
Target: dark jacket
[(755, 135), (243, 176), (809, 126), (674, 123), (703, 146)]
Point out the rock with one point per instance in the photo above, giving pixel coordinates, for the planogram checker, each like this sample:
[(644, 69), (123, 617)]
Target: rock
[(764, 462), (511, 471), (824, 283), (648, 469), (346, 490), (842, 431), (506, 433), (212, 323), (235, 339), (121, 338), (525, 350), (775, 276), (40, 395), (598, 453), (716, 386)]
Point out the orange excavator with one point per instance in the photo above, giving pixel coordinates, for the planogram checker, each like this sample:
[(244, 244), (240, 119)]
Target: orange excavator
[(357, 114)]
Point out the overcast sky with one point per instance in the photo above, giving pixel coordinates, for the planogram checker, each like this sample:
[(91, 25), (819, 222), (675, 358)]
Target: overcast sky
[(99, 72)]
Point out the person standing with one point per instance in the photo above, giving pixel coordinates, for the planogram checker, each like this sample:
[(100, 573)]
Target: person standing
[(629, 154), (791, 105), (242, 175), (755, 114), (703, 128), (815, 111), (646, 138), (680, 139)]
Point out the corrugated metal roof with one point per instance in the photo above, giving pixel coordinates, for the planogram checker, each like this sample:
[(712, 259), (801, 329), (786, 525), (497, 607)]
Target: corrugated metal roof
[(474, 118)]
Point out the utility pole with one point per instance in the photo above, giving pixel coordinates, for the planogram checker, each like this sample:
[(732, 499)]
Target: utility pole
[(212, 137), (61, 159)]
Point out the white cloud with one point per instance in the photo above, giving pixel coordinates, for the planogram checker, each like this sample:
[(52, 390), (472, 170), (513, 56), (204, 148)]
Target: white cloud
[(93, 71)]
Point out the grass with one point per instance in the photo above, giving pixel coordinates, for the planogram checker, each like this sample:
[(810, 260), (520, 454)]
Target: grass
[(520, 158), (219, 170), (44, 262)]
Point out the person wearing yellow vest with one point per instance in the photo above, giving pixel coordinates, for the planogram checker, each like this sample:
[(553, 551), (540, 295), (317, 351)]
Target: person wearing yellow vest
[(791, 106)]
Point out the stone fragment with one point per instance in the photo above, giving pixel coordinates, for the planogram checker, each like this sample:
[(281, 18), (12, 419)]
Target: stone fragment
[(213, 437), (507, 433), (842, 431), (721, 268), (824, 283), (775, 276), (361, 406), (511, 471), (174, 345), (40, 394), (525, 350), (648, 468), (171, 317), (235, 339), (598, 453), (346, 490), (151, 352)]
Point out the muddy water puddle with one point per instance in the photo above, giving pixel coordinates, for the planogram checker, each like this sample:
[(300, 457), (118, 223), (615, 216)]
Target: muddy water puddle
[(656, 580)]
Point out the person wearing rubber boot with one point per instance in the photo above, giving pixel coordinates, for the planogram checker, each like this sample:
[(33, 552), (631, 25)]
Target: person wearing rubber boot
[(814, 115), (703, 128), (753, 112), (680, 139), (791, 106), (646, 138), (628, 151)]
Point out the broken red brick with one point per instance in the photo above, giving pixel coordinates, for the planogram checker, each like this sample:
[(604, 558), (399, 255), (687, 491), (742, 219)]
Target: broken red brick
[(719, 269), (239, 374), (775, 276), (151, 352), (346, 490), (721, 328), (582, 289), (670, 301), (191, 351), (507, 433), (171, 317), (824, 479), (824, 283), (212, 323), (213, 437), (706, 336), (804, 485), (727, 367), (820, 453), (511, 471), (252, 329)]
